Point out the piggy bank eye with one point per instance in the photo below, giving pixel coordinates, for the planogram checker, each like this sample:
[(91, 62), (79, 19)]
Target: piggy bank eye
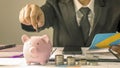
[(37, 43)]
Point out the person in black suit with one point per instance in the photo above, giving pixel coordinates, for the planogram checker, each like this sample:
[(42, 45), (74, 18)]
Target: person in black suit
[(64, 17)]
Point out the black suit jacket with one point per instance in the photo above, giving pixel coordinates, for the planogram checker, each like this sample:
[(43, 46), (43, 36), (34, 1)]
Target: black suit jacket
[(60, 14)]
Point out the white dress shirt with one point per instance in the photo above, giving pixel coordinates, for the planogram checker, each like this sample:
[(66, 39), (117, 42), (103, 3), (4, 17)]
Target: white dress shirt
[(79, 15)]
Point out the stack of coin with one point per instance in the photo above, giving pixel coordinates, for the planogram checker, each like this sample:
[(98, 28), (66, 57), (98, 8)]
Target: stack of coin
[(59, 59), (93, 63), (82, 62), (70, 61)]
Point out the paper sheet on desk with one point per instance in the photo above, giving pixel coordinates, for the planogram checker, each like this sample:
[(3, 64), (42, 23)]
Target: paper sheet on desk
[(15, 52), (103, 54), (11, 54), (59, 52), (104, 50)]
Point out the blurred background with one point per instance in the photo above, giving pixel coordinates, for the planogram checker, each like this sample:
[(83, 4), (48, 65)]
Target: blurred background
[(10, 28)]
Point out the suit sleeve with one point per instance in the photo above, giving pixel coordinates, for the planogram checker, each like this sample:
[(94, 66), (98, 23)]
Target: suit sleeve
[(50, 18)]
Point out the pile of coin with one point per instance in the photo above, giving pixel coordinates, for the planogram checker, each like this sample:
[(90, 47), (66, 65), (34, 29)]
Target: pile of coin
[(59, 59), (82, 62), (70, 61)]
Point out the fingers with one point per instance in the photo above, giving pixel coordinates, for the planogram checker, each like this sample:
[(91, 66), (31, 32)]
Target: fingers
[(27, 12), (24, 15), (116, 48), (21, 16), (37, 17), (31, 14)]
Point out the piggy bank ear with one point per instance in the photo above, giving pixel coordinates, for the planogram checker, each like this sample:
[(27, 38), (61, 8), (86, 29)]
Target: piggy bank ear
[(45, 38), (24, 38)]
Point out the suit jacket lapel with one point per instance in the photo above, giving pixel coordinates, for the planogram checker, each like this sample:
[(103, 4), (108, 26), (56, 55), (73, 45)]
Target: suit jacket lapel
[(70, 19)]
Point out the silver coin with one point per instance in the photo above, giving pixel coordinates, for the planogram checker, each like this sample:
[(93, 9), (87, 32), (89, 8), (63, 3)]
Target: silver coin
[(59, 59), (70, 61)]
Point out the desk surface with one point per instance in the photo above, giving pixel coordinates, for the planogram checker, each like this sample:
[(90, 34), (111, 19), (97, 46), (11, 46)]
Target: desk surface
[(21, 63)]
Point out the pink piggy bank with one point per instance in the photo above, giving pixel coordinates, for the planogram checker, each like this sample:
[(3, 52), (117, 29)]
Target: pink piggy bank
[(36, 49)]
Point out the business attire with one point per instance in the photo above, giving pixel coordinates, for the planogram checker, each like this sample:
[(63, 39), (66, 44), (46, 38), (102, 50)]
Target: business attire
[(61, 16)]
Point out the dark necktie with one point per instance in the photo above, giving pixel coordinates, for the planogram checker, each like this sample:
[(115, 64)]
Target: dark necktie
[(84, 23)]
